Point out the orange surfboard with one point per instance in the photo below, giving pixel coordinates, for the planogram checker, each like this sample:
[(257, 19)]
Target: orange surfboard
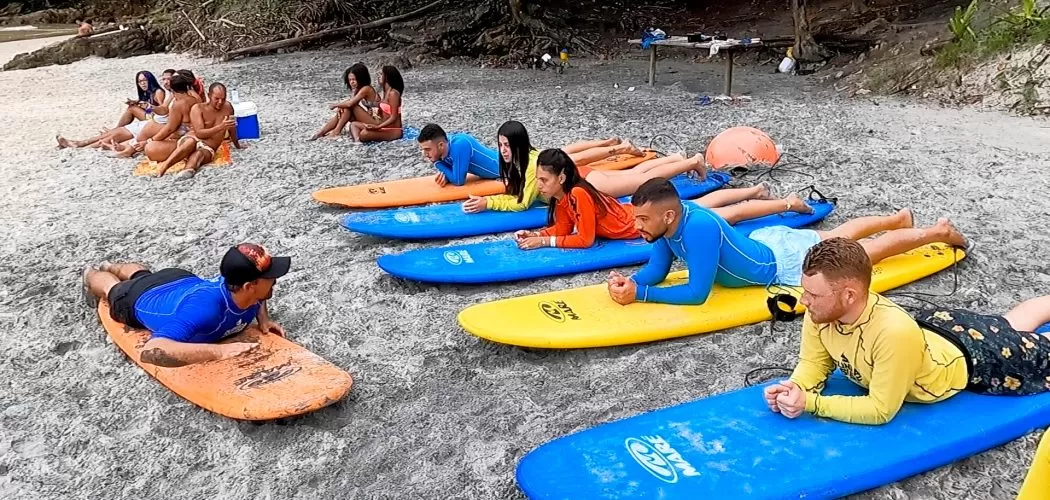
[(422, 190), (277, 379)]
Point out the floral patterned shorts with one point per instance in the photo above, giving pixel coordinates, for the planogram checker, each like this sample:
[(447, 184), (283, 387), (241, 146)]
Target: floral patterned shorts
[(1003, 361)]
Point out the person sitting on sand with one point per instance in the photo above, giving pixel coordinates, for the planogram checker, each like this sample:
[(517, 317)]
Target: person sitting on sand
[(187, 315), (177, 121), (210, 124), (578, 214), (386, 124), (358, 108), (519, 174), (128, 146), (135, 118), (456, 156), (150, 94), (715, 252), (896, 357)]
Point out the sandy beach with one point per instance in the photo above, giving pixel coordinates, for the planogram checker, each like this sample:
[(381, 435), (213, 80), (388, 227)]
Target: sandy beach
[(434, 412)]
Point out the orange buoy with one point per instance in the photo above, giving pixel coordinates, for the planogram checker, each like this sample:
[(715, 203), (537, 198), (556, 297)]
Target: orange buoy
[(741, 147)]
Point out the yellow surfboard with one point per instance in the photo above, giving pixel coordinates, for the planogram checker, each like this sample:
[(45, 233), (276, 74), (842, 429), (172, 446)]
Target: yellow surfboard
[(588, 317)]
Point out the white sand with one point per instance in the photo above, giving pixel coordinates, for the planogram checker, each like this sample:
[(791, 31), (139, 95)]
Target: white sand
[(434, 413)]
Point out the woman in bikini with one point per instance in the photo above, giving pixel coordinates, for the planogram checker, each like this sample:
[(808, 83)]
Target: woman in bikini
[(357, 108), (387, 125), (517, 166), (579, 214), (135, 117)]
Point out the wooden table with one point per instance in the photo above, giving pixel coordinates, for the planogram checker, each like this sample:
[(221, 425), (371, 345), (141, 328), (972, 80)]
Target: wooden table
[(729, 46)]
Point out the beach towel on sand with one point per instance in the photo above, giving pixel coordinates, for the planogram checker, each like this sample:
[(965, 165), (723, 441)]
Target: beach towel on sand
[(222, 158)]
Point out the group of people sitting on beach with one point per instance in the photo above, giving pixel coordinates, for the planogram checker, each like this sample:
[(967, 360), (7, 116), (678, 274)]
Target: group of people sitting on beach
[(172, 120), (372, 116)]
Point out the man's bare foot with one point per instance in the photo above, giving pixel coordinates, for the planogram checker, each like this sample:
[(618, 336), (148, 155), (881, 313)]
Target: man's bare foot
[(795, 203), (762, 192), (89, 298), (701, 165), (63, 142), (951, 235), (627, 148), (907, 218)]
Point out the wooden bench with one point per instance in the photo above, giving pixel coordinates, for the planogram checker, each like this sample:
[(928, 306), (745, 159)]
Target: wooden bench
[(729, 46)]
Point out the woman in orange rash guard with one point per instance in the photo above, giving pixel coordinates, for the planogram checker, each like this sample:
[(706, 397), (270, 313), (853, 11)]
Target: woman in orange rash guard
[(576, 204)]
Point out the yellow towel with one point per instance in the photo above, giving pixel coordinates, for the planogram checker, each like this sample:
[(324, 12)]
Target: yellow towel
[(221, 159)]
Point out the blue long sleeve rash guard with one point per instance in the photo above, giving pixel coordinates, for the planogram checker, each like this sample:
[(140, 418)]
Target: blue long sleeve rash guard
[(714, 252)]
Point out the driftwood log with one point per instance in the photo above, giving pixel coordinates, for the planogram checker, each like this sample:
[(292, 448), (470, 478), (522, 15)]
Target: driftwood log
[(326, 34)]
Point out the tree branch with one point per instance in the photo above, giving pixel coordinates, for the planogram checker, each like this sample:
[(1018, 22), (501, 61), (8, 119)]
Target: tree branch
[(321, 35)]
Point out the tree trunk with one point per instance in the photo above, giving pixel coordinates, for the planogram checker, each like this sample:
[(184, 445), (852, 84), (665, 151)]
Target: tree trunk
[(515, 11), (806, 48)]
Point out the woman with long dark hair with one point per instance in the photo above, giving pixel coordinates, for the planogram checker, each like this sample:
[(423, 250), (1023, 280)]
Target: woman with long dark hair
[(136, 116), (358, 107), (578, 213), (150, 94), (386, 124), (517, 161)]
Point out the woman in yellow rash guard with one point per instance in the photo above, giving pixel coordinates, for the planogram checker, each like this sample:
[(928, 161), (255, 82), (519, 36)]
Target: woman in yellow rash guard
[(1037, 483), (519, 174)]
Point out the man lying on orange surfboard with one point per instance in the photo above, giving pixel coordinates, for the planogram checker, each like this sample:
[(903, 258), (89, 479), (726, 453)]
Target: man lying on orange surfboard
[(186, 314)]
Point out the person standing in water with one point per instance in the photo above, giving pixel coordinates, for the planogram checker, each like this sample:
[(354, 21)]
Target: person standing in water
[(358, 107), (579, 214), (387, 125)]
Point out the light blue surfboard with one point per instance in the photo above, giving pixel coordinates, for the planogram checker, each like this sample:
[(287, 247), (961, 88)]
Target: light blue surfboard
[(732, 446), (496, 261), (447, 220)]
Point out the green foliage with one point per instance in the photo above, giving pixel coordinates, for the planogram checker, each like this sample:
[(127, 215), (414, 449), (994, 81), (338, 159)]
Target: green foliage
[(961, 21), (1025, 24)]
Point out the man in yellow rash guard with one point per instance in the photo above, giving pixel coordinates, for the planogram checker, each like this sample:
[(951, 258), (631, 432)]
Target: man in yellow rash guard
[(879, 346)]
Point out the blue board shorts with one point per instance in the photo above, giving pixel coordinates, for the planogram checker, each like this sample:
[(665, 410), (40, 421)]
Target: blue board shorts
[(789, 247)]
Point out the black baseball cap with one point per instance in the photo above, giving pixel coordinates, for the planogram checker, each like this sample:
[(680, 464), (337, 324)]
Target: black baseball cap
[(249, 262)]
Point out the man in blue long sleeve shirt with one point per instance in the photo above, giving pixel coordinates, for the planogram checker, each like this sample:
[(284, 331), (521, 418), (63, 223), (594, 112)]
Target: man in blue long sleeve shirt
[(456, 156), (715, 252)]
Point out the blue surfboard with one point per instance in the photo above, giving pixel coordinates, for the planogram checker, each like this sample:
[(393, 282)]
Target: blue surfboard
[(447, 220), (496, 261), (732, 446)]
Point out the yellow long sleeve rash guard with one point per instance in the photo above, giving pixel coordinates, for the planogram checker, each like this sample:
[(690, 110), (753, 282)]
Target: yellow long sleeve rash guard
[(884, 351), (509, 202)]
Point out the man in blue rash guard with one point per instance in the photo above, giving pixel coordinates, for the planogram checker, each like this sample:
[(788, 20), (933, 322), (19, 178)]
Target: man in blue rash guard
[(187, 315), (456, 156), (715, 252)]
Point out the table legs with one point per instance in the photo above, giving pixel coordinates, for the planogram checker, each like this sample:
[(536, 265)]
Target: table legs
[(652, 65), (729, 73)]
